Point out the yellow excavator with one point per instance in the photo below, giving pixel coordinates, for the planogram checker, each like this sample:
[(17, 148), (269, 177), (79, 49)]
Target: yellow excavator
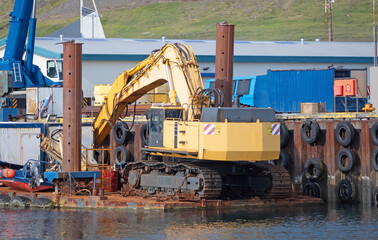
[(200, 150)]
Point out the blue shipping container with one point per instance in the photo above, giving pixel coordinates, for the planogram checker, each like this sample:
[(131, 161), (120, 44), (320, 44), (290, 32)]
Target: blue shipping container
[(288, 89), (285, 90)]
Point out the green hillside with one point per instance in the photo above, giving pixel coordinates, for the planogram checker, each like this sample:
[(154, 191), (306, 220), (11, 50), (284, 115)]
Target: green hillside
[(196, 19)]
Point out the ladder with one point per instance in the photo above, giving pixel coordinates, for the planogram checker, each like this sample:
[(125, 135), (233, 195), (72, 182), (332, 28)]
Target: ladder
[(17, 72)]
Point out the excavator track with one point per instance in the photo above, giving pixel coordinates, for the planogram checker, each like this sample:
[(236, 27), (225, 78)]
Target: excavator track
[(141, 180), (212, 181), (280, 186), (259, 179)]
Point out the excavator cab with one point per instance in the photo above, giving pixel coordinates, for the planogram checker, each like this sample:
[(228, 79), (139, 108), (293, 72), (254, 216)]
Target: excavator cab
[(157, 117)]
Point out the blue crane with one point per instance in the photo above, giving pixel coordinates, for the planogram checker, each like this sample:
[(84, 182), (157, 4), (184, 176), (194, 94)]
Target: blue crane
[(15, 72)]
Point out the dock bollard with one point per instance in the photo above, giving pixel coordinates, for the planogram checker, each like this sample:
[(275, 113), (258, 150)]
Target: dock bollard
[(95, 192), (101, 192)]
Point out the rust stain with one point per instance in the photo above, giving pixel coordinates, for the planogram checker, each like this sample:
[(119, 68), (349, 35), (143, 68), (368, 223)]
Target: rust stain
[(118, 202)]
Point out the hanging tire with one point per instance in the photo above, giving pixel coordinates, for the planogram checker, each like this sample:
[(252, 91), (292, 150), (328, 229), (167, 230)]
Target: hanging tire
[(284, 135), (375, 197), (374, 133), (346, 191), (310, 131), (374, 159), (284, 159), (313, 169), (312, 189), (345, 133), (97, 155), (120, 132), (144, 135), (345, 160), (121, 155)]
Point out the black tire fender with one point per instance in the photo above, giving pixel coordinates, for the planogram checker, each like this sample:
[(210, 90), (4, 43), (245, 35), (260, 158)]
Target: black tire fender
[(346, 191), (374, 159), (20, 201), (375, 197), (97, 155), (310, 131), (284, 135), (344, 133), (4, 199), (144, 134), (284, 159), (313, 169), (42, 203), (120, 132), (121, 155), (345, 160), (374, 133), (312, 189)]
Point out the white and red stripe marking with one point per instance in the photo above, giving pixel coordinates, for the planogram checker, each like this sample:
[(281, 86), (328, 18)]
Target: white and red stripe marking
[(275, 129), (209, 129)]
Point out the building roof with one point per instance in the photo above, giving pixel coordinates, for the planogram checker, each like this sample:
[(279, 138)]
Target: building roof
[(72, 30), (112, 49)]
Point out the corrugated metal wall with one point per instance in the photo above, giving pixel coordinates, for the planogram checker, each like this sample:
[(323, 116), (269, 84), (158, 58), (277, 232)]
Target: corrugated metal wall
[(286, 90)]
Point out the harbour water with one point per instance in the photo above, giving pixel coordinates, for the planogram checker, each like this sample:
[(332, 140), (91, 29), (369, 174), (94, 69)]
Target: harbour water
[(320, 222)]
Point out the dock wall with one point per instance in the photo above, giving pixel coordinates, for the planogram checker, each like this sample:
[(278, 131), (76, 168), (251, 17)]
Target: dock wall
[(326, 149)]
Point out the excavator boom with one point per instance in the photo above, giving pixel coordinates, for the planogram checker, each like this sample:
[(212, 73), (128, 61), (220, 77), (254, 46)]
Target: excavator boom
[(171, 64)]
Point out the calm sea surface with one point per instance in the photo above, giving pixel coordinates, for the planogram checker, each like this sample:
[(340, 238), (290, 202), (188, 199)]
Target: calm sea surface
[(325, 222)]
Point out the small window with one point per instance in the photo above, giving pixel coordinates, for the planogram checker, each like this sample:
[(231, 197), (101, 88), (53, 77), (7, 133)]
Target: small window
[(173, 113), (243, 87), (51, 69)]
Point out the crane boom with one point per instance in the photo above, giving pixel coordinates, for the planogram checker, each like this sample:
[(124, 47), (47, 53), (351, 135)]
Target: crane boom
[(15, 72), (174, 63)]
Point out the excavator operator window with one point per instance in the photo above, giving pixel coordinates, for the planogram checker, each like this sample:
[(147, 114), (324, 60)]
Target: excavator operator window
[(156, 130), (173, 113)]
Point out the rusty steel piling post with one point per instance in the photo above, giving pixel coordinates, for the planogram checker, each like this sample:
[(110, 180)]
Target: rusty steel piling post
[(224, 60), (72, 95)]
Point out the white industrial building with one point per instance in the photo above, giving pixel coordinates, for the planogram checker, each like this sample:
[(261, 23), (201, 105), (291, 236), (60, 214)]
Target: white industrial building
[(104, 59)]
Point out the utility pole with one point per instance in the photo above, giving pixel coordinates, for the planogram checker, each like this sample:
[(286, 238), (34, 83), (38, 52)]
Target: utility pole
[(325, 19), (328, 19)]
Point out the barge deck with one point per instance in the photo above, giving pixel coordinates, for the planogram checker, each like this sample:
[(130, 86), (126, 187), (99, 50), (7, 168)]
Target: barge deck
[(115, 201)]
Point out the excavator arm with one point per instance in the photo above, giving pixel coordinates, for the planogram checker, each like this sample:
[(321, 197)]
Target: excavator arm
[(174, 63)]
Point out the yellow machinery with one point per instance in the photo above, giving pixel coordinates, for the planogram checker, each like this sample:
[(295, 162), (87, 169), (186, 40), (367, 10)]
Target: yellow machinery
[(200, 151)]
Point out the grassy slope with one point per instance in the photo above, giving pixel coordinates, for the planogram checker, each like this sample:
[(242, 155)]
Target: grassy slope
[(254, 20)]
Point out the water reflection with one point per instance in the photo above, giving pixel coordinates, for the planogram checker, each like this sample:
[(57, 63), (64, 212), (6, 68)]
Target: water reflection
[(324, 222)]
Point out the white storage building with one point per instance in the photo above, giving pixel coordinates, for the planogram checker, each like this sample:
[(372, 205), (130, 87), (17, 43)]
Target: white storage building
[(105, 59)]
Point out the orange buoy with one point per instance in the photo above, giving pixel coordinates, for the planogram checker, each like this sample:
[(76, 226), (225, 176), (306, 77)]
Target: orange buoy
[(10, 173), (7, 173)]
